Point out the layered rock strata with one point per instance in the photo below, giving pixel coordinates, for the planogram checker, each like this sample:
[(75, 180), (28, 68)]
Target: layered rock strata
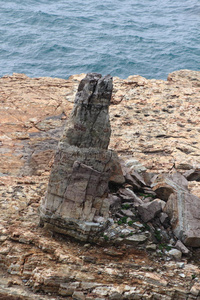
[(158, 121), (182, 207), (78, 185)]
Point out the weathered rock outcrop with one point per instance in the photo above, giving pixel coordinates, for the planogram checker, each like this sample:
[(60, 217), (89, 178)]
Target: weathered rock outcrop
[(158, 122), (182, 207), (78, 186)]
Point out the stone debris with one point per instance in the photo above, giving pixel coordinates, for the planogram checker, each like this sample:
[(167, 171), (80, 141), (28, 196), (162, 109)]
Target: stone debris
[(155, 136), (177, 254)]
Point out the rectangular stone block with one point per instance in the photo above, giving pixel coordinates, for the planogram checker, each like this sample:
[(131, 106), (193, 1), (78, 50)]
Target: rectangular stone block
[(183, 209)]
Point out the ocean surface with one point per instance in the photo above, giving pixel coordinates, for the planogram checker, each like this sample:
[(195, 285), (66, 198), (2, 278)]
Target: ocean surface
[(119, 37)]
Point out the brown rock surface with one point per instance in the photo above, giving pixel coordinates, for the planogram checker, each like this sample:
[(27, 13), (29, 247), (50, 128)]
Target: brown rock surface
[(157, 122)]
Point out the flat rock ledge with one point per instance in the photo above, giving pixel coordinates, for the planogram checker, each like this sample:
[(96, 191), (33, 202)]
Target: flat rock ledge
[(155, 127), (78, 186)]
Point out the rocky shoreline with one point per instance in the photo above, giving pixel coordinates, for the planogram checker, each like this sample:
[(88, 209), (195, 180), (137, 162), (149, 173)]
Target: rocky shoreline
[(156, 125)]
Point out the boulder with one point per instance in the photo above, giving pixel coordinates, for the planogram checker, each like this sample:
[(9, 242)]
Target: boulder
[(150, 210), (176, 254), (182, 207), (166, 184), (180, 246), (135, 239), (83, 165)]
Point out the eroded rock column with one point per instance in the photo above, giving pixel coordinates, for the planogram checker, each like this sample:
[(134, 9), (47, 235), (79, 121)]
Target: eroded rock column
[(76, 198)]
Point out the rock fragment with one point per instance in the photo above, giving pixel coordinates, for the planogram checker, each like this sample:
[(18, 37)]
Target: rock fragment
[(176, 254), (150, 210), (180, 246), (195, 290), (164, 185), (164, 219), (130, 196)]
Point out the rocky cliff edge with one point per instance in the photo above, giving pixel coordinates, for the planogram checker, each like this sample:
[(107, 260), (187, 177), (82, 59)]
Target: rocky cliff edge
[(155, 125)]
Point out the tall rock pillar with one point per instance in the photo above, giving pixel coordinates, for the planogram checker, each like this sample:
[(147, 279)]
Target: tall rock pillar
[(78, 186)]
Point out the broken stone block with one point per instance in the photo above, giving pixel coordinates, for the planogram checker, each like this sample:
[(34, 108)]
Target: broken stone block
[(114, 203), (150, 210), (148, 191), (67, 289), (164, 185), (195, 290), (183, 209), (151, 247), (138, 178), (164, 219), (176, 254), (83, 166), (127, 212), (135, 239), (134, 179), (115, 296), (129, 195), (180, 246)]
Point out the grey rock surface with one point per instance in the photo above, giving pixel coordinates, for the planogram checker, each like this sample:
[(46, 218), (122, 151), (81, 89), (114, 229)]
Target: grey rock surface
[(149, 210), (83, 165), (176, 254), (180, 246), (182, 207), (164, 219)]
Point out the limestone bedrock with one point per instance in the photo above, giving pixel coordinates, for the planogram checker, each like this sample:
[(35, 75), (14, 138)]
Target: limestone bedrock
[(83, 165)]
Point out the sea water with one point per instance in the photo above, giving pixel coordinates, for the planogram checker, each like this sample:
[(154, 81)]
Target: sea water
[(119, 37)]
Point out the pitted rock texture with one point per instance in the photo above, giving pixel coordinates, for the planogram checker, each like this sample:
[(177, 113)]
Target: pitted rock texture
[(83, 165), (155, 122)]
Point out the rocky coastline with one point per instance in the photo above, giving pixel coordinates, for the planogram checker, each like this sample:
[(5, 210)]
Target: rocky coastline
[(156, 133)]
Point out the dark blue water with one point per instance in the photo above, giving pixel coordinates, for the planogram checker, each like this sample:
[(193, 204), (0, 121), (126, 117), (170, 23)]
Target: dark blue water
[(122, 37)]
